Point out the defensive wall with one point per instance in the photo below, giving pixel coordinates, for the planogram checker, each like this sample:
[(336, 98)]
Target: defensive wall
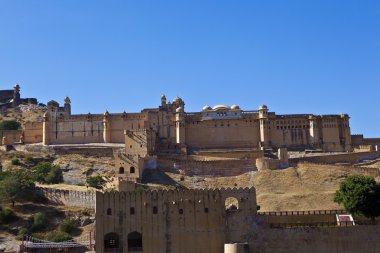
[(212, 168), (337, 158), (170, 221), (69, 197)]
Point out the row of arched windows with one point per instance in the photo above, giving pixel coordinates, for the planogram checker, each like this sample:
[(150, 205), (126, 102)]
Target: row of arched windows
[(131, 170)]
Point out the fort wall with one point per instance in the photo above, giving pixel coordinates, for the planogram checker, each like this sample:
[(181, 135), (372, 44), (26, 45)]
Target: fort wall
[(211, 168), (170, 221), (69, 198), (337, 158)]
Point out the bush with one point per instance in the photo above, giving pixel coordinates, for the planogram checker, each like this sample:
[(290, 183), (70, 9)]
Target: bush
[(7, 215), (29, 160), (58, 236), (68, 225), (47, 173), (96, 182), (9, 125), (39, 221), (22, 232), (15, 161)]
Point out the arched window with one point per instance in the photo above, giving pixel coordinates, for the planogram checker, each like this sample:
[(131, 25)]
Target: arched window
[(121, 170), (135, 242), (231, 204), (155, 210), (132, 170), (111, 241), (109, 211), (180, 211), (132, 211)]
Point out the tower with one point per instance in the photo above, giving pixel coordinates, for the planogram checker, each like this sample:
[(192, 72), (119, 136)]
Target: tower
[(46, 129), (264, 126), (16, 95), (106, 128), (67, 106), (180, 128), (163, 100)]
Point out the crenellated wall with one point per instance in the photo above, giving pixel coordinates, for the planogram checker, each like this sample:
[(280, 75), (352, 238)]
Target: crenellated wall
[(171, 221), (70, 198)]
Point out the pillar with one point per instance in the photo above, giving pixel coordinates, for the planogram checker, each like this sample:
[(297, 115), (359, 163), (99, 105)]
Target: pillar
[(46, 130), (106, 128)]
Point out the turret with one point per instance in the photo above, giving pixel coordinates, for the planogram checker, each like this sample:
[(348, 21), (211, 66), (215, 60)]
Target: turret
[(180, 128), (178, 102), (106, 128), (67, 106), (163, 100), (264, 126), (16, 95)]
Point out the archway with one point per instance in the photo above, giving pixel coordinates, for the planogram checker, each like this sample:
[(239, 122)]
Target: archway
[(111, 242), (135, 242), (231, 204)]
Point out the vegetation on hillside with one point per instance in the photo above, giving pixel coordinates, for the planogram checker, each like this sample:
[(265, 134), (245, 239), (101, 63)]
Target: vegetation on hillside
[(360, 195), (9, 125)]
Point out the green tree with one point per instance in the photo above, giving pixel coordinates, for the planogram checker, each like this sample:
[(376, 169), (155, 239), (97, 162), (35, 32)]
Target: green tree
[(360, 195), (9, 125), (16, 187), (47, 173), (96, 182), (39, 221), (58, 236), (67, 225)]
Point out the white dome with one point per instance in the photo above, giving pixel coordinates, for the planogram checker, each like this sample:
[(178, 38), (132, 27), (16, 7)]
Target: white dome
[(263, 107), (177, 99), (218, 107), (235, 107), (206, 108)]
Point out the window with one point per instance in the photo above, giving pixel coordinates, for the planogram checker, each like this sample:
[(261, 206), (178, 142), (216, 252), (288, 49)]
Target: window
[(132, 170), (111, 241), (206, 209), (180, 211), (132, 211), (135, 242), (121, 170), (155, 210), (109, 211)]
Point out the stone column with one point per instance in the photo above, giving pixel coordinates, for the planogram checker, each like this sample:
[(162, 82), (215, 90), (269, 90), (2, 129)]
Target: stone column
[(46, 130), (106, 128)]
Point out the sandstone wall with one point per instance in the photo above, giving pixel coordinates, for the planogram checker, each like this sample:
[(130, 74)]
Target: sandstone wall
[(214, 168), (70, 198), (338, 158)]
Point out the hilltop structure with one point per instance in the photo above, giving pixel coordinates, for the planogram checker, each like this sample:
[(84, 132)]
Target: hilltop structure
[(12, 98), (170, 127)]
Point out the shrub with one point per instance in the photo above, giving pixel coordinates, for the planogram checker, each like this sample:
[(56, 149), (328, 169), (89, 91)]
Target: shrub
[(15, 161), (54, 176), (16, 187), (9, 125), (58, 236), (96, 182), (7, 215), (39, 221), (29, 160), (68, 225), (47, 173), (22, 232)]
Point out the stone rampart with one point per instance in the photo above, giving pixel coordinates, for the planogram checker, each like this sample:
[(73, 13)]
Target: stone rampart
[(214, 168), (70, 198), (337, 158)]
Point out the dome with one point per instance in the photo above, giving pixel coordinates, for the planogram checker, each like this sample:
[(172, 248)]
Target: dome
[(177, 99), (235, 107), (163, 97), (67, 100), (219, 107), (263, 107), (179, 109), (206, 108)]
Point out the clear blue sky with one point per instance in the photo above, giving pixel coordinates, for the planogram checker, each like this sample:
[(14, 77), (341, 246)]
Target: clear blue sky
[(294, 56)]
